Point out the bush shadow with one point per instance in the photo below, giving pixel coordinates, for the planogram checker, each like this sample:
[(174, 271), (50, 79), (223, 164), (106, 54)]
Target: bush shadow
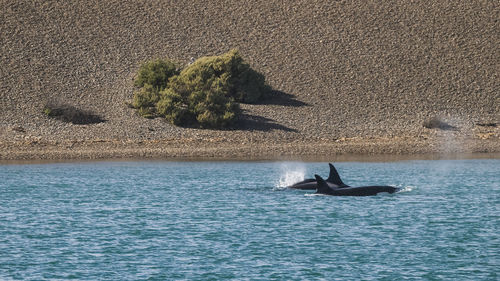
[(281, 98), (249, 122), (71, 114)]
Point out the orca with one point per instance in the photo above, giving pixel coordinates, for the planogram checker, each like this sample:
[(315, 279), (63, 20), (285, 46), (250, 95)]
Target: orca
[(324, 188), (311, 184)]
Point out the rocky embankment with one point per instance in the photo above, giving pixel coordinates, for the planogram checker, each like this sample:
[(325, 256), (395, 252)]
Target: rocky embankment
[(350, 77)]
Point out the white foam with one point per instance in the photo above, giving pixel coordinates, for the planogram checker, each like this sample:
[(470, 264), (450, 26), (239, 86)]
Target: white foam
[(290, 174), (406, 189), (314, 194)]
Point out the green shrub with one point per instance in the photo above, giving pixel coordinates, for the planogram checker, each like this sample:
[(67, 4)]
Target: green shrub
[(203, 94), (239, 80), (173, 107), (156, 73), (208, 108), (247, 85), (145, 100), (213, 109)]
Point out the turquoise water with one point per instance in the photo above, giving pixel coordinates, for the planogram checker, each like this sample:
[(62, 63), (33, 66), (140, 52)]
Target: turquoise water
[(235, 221)]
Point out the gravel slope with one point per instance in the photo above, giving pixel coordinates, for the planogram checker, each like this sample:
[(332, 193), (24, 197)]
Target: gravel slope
[(345, 69)]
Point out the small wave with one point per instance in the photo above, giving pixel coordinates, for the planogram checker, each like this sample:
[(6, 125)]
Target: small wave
[(314, 194)]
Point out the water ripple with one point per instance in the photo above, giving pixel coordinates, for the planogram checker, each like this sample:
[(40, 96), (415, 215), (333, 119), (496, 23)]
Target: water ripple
[(225, 221)]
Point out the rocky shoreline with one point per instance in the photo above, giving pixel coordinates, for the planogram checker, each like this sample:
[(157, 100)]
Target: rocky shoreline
[(436, 146), (348, 77)]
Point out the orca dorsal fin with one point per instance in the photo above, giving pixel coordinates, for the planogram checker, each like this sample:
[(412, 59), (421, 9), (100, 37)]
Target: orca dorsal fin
[(334, 176), (322, 186)]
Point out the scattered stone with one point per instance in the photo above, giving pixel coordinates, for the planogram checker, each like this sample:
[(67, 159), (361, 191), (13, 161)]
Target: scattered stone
[(488, 124), (18, 129), (372, 84)]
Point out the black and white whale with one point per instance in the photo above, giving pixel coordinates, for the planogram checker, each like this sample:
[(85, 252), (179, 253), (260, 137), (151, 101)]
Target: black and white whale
[(311, 184), (325, 188)]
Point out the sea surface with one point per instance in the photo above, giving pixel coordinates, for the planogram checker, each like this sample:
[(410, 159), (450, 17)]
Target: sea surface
[(237, 221)]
